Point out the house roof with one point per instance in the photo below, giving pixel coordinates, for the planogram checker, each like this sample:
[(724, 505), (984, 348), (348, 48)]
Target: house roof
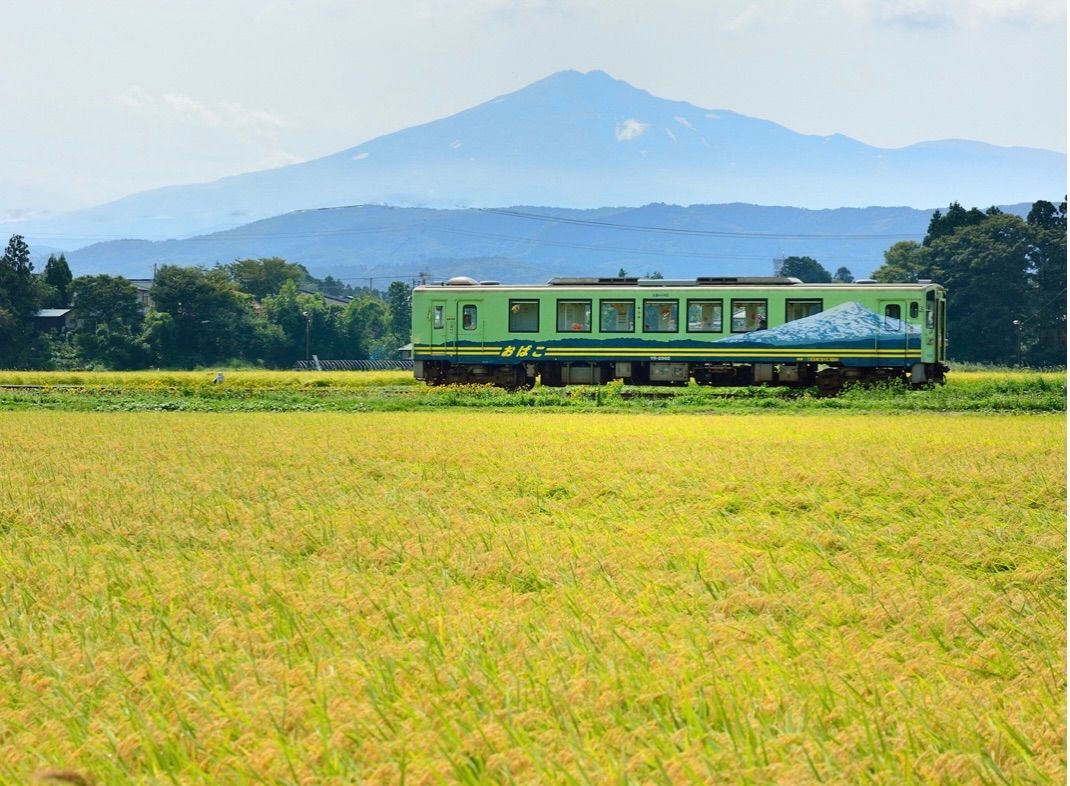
[(344, 300), (46, 313)]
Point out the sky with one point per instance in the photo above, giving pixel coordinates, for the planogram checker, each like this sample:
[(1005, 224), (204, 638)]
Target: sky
[(112, 97)]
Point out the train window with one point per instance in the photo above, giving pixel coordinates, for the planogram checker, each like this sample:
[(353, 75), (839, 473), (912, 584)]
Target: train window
[(468, 317), (437, 316), (704, 316), (798, 309), (661, 316), (616, 316), (893, 313), (748, 315), (930, 300), (573, 316), (914, 310), (523, 316)]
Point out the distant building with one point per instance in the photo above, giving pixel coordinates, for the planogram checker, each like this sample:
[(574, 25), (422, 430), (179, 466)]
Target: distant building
[(56, 320), (778, 262), (143, 286), (331, 300)]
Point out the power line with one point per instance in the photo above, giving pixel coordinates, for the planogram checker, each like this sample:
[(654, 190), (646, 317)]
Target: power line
[(1038, 312)]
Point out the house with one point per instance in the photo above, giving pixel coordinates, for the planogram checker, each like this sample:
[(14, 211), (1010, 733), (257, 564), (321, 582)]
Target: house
[(330, 300), (143, 285), (56, 320)]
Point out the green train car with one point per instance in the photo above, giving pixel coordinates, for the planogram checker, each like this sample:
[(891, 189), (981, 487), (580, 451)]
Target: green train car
[(717, 331)]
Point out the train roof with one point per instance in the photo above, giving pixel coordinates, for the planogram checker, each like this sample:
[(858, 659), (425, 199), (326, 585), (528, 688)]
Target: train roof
[(705, 282)]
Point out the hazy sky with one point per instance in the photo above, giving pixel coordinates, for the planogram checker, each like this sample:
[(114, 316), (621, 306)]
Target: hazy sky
[(101, 99)]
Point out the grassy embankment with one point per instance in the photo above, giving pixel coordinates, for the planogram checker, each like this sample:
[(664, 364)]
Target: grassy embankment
[(986, 391), (494, 597)]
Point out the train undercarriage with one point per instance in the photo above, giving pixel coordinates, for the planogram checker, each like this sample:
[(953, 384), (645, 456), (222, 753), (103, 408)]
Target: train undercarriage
[(828, 379)]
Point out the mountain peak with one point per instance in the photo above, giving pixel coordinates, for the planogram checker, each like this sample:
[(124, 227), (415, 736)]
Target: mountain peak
[(594, 85), (585, 139)]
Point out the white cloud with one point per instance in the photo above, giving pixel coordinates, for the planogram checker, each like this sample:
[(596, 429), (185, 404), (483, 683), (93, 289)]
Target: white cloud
[(134, 97), (683, 121), (192, 110), (672, 136), (275, 159), (745, 20), (229, 115), (225, 114), (969, 14), (361, 156), (630, 129)]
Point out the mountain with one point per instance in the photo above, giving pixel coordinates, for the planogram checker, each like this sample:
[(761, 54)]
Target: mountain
[(842, 325), (533, 243), (581, 140)]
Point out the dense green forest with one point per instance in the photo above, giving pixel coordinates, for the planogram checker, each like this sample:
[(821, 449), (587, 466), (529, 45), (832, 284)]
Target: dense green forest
[(1006, 281), (265, 312), (1006, 278)]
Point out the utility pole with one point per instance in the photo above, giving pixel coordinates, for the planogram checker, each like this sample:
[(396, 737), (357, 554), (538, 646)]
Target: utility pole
[(1018, 327), (308, 335)]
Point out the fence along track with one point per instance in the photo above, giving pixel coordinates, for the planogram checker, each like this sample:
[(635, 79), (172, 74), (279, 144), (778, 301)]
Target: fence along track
[(354, 365)]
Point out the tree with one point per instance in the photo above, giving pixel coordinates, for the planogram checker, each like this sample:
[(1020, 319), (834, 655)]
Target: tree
[(1046, 324), (985, 269), (265, 276), (290, 313), (213, 321), (904, 263), (160, 338), (307, 324), (806, 269), (375, 321), (1006, 279), (399, 301), (20, 297), (332, 286), (17, 256), (57, 274), (957, 217), (843, 276), (110, 299), (110, 322)]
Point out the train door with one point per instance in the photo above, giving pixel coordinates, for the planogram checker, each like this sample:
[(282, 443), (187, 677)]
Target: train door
[(468, 326), (941, 322), (895, 333), (438, 326), (934, 328)]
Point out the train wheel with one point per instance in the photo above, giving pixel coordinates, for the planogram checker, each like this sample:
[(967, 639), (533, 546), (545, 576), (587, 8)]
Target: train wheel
[(829, 382)]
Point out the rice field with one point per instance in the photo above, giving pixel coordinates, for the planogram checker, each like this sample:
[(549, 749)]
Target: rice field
[(496, 597)]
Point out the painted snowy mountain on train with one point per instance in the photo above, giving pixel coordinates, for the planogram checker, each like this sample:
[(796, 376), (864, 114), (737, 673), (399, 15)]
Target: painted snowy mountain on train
[(847, 325)]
